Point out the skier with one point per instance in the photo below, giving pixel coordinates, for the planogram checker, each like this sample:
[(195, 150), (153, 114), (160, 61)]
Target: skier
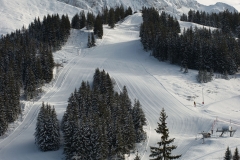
[(194, 104)]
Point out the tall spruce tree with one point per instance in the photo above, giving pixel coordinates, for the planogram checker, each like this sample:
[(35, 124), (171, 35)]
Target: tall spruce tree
[(82, 20), (164, 149), (98, 28), (47, 136), (139, 120), (111, 18), (76, 22)]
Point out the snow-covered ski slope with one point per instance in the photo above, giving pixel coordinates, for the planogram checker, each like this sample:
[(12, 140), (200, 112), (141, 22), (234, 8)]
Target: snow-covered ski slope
[(156, 84)]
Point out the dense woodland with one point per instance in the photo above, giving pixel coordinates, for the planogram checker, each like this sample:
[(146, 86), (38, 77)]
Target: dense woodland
[(200, 49), (100, 123), (227, 21), (26, 62)]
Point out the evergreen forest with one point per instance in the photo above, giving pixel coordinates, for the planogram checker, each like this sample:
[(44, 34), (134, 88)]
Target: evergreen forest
[(228, 22), (100, 123), (26, 62), (194, 48)]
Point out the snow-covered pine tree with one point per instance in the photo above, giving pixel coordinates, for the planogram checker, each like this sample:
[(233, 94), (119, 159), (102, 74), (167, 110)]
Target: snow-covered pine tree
[(96, 79), (76, 21), (77, 143), (69, 128), (90, 20), (164, 149), (55, 132), (105, 15), (103, 141), (236, 154), (119, 145), (228, 154), (139, 120), (47, 136), (39, 126), (103, 80)]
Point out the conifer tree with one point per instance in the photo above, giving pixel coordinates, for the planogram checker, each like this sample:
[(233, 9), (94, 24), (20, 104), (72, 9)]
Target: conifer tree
[(98, 28), (90, 20), (228, 154), (236, 154), (76, 22), (82, 20), (93, 41), (47, 136), (139, 120), (105, 15), (164, 149), (128, 11), (111, 19)]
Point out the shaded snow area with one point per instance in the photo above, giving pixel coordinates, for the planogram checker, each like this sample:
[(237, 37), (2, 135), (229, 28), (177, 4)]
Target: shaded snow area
[(156, 84)]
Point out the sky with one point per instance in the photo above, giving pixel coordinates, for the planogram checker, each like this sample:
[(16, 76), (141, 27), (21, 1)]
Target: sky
[(234, 3)]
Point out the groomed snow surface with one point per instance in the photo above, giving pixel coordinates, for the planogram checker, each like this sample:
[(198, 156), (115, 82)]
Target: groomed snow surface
[(156, 84)]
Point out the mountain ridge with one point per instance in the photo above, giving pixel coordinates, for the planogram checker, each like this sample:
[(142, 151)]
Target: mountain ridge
[(173, 7)]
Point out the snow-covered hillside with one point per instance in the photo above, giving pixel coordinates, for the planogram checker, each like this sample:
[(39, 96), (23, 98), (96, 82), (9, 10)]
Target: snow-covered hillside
[(156, 84), (15, 14)]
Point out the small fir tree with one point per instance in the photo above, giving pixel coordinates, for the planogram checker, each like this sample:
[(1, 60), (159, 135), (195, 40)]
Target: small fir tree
[(228, 154), (93, 41), (164, 149), (111, 18), (236, 154)]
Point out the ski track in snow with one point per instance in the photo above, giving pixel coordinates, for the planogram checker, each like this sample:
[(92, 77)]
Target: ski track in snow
[(120, 54)]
